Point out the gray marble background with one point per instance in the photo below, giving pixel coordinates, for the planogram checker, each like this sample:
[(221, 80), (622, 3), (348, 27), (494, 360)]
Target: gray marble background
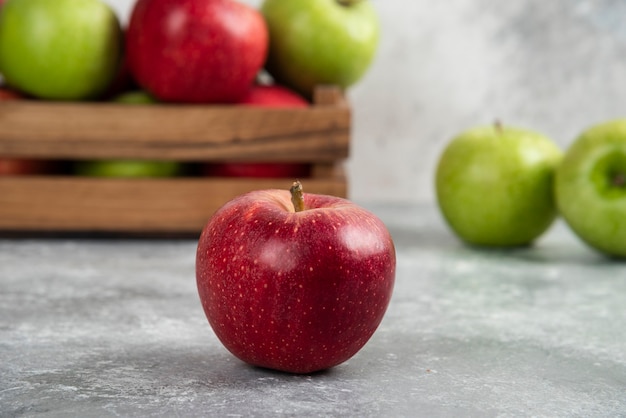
[(554, 66)]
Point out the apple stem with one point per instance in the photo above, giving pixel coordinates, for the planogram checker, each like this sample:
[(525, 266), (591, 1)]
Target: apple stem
[(498, 126), (619, 180), (296, 196), (348, 3)]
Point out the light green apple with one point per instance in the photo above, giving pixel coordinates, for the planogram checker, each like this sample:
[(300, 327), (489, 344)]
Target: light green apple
[(129, 168), (59, 49), (494, 185), (320, 41), (590, 187)]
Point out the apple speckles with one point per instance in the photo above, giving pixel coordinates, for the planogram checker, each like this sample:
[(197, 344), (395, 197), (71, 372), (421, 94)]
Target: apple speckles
[(300, 288)]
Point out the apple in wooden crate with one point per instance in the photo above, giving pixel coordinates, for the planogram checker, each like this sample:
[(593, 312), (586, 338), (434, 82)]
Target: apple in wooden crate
[(196, 51), (272, 96), (295, 282), (316, 42), (59, 50)]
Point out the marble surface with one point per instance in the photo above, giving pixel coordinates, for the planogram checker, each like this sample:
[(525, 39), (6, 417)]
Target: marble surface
[(110, 327)]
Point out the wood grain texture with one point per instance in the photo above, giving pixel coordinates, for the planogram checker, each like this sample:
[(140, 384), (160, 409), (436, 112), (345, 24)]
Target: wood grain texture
[(319, 135), (176, 132), (183, 205)]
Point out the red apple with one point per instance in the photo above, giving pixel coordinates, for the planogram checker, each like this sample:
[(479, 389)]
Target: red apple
[(258, 170), (265, 96), (294, 282), (22, 166), (8, 94), (196, 50), (272, 95)]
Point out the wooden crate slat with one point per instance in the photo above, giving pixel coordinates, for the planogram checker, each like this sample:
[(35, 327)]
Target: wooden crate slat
[(62, 130), (172, 132), (181, 205)]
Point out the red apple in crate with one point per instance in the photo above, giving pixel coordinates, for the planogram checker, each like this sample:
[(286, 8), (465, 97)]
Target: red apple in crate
[(8, 94), (258, 170), (23, 166), (196, 50), (294, 282), (273, 95), (265, 96)]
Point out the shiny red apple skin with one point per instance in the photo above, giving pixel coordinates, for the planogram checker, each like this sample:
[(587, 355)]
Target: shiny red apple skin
[(272, 96), (196, 51), (294, 291)]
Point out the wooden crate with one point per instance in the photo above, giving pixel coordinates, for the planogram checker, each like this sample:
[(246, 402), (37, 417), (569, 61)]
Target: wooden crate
[(319, 135)]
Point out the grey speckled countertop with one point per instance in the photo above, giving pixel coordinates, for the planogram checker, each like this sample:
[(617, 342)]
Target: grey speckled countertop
[(104, 327)]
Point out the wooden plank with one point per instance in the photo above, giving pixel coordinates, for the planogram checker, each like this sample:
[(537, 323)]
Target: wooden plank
[(75, 204), (179, 132)]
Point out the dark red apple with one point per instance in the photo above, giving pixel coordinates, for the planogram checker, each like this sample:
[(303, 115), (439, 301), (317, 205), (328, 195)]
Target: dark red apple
[(258, 170), (23, 166), (294, 282), (264, 96), (8, 94), (196, 50)]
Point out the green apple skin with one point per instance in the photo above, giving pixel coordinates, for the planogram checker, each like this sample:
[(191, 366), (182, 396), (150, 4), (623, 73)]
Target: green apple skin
[(127, 168), (320, 41), (135, 97), (61, 49), (494, 185), (590, 187)]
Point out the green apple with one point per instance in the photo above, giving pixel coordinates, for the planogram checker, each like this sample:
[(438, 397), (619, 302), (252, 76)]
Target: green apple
[(61, 49), (320, 41), (494, 185), (590, 187), (135, 97), (129, 168)]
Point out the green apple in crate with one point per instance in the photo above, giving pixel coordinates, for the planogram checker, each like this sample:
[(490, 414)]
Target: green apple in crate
[(129, 168), (316, 42), (591, 187), (494, 185), (61, 49)]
